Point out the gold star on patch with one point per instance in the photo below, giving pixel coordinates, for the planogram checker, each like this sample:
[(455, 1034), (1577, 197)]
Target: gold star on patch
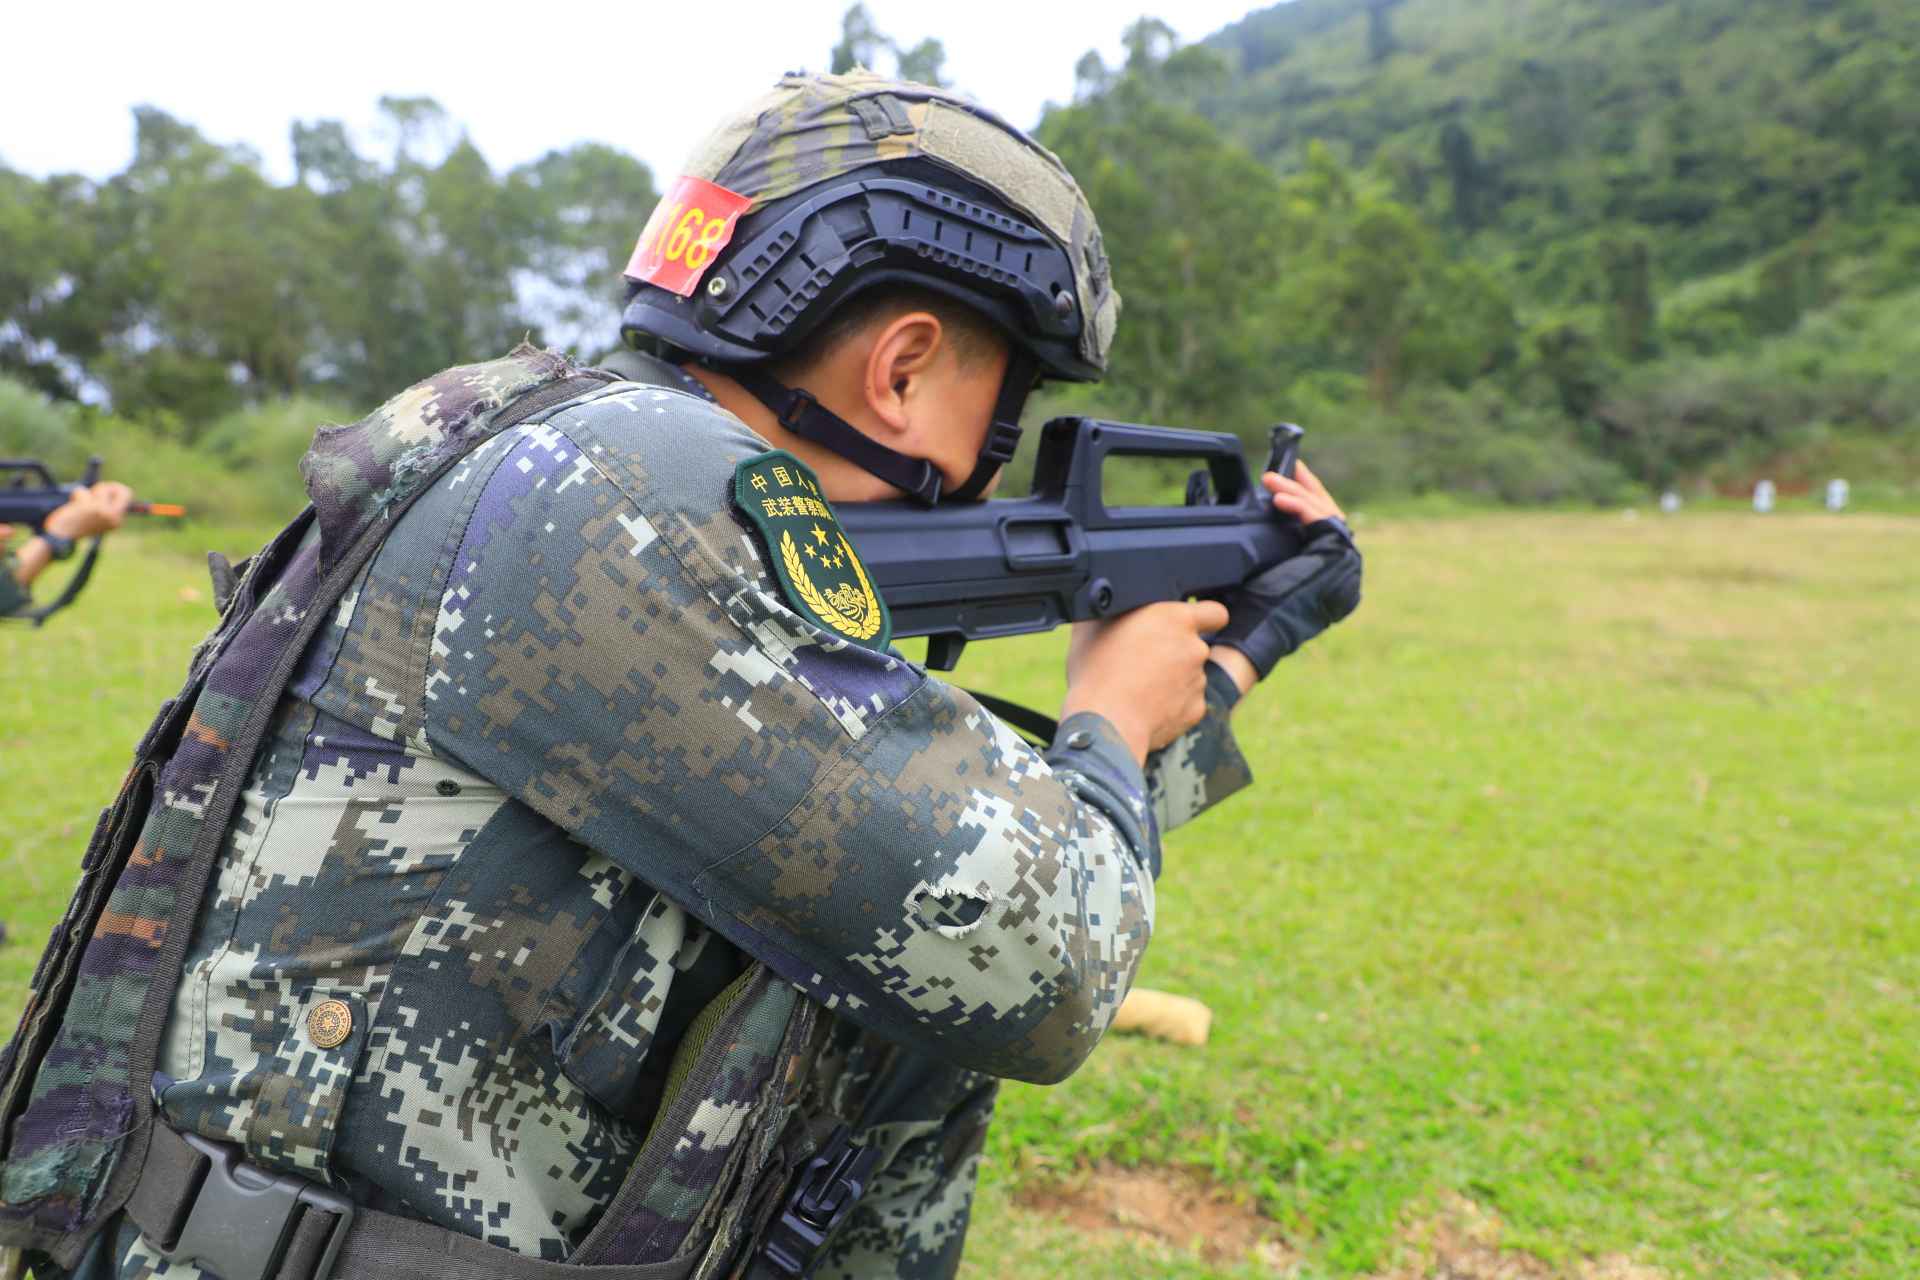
[(819, 535)]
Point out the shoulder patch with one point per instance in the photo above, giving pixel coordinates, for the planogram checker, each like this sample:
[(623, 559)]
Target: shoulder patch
[(811, 554)]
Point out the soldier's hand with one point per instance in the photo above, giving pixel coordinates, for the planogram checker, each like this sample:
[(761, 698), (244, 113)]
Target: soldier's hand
[(90, 511), (1302, 496), (1145, 670), (1277, 611)]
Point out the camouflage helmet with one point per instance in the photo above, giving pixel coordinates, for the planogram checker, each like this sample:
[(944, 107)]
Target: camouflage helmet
[(830, 185)]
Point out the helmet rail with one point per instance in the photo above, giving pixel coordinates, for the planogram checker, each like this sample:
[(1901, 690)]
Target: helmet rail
[(794, 263)]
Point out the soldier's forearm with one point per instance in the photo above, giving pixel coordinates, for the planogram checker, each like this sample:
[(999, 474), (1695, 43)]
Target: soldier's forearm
[(1202, 767), (34, 555)]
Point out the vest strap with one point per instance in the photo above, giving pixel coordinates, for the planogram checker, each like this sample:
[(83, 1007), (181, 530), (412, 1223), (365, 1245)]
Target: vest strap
[(199, 1200), (67, 1239)]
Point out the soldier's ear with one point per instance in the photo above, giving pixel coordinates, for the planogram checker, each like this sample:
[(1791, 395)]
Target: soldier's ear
[(902, 355)]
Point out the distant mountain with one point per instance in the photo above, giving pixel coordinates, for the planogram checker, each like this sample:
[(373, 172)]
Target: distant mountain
[(1536, 249), (1717, 130)]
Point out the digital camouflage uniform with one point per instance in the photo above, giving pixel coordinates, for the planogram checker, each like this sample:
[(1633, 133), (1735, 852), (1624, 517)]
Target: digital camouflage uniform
[(14, 598), (554, 765), (563, 753)]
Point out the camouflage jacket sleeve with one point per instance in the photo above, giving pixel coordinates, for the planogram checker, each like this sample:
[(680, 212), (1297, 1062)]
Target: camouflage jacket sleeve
[(1203, 767), (13, 597), (613, 651)]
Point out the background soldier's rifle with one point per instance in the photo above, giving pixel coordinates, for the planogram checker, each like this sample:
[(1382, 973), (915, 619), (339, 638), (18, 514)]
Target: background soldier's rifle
[(29, 494), (977, 571)]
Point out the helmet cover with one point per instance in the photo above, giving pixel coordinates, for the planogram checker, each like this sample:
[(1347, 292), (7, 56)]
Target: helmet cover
[(815, 129)]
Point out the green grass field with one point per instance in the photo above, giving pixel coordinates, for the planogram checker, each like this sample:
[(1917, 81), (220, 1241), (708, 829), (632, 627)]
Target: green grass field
[(1571, 929)]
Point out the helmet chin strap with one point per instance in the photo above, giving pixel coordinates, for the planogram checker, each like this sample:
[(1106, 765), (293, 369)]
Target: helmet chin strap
[(796, 410), (1003, 432)]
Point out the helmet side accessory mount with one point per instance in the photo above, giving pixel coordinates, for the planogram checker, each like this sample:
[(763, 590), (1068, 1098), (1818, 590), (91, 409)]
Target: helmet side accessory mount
[(796, 262)]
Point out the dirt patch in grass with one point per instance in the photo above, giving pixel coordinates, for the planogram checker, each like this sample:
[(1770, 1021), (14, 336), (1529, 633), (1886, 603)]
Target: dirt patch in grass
[(1462, 1242), (1184, 1209), (1158, 1204)]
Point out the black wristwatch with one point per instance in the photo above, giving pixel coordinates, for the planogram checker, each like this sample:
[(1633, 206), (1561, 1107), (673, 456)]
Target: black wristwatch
[(58, 548)]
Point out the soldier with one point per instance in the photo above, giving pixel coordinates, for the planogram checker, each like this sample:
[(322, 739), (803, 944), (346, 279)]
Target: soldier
[(89, 512), (605, 755)]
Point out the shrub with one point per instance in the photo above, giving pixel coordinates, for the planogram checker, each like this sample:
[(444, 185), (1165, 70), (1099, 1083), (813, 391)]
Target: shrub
[(244, 469), (33, 426)]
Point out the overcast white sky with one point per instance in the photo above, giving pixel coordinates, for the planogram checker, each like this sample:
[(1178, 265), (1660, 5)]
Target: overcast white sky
[(644, 76)]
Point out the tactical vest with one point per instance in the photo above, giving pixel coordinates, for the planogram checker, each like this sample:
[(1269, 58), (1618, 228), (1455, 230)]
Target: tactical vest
[(747, 1166)]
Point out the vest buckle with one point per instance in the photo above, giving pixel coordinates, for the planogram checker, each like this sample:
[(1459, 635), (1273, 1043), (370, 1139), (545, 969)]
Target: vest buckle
[(245, 1222), (821, 1197)]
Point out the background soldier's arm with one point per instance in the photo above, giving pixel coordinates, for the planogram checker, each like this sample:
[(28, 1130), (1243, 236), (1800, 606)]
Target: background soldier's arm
[(13, 596)]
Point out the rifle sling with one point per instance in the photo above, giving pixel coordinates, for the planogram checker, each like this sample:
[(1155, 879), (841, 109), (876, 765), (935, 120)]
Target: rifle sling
[(69, 593), (1039, 729)]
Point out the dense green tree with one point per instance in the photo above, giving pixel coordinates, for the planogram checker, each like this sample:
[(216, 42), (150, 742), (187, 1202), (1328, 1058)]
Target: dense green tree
[(189, 283), (925, 62), (1236, 281), (1188, 221), (1630, 309), (45, 239), (1722, 129), (1464, 174), (1149, 42), (588, 205), (1376, 281), (1517, 247), (1380, 40), (196, 284), (861, 42)]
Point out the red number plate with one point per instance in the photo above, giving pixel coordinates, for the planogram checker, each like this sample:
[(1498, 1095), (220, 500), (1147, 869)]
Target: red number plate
[(688, 229)]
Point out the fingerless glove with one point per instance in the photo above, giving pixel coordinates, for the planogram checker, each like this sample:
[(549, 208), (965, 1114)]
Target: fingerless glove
[(1275, 612)]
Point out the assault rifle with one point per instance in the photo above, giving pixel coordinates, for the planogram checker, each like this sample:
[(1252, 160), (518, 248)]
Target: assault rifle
[(977, 571), (29, 494)]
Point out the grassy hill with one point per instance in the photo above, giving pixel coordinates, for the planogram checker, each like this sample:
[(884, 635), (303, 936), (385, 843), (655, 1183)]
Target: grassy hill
[(1719, 129), (1537, 250)]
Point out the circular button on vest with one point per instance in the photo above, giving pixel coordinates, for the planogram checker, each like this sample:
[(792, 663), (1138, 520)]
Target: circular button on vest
[(330, 1023), (1079, 740)]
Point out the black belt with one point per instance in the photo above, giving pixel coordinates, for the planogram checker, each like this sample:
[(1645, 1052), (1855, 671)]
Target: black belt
[(200, 1201)]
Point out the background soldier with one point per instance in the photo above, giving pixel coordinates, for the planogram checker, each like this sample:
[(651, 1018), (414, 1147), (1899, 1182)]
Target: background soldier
[(610, 720), (91, 511)]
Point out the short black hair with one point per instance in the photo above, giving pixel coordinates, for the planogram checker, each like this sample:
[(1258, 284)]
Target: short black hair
[(972, 335)]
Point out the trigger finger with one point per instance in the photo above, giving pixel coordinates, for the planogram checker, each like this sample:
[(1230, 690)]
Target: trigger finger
[(1209, 615)]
